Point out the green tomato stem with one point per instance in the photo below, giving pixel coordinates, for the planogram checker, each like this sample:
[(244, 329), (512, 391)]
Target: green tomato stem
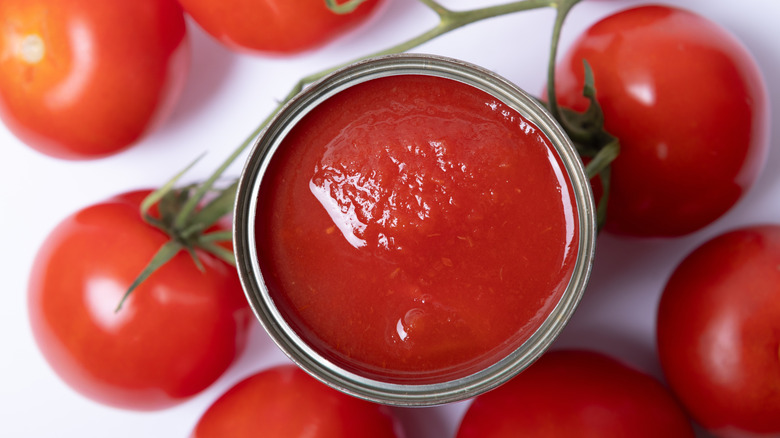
[(603, 159), (435, 7), (343, 8), (563, 9), (161, 257)]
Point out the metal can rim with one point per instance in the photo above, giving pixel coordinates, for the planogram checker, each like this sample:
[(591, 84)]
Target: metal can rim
[(325, 370)]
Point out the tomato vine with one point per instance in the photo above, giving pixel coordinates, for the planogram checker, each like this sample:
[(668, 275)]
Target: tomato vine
[(185, 216)]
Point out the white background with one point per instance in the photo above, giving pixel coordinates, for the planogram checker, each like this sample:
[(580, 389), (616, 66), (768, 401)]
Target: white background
[(226, 96)]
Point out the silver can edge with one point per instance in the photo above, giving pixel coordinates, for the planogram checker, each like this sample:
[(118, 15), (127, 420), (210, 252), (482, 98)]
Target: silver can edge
[(296, 348)]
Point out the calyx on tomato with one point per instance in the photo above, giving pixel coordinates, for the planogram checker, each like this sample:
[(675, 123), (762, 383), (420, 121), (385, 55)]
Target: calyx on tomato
[(187, 225), (597, 147)]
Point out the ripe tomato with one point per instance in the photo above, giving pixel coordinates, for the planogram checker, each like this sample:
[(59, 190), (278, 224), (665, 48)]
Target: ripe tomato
[(688, 104), (81, 79), (285, 402), (176, 333), (719, 332), (274, 26), (580, 393)]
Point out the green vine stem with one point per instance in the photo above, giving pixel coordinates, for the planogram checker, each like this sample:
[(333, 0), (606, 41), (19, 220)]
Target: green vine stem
[(186, 217), (564, 7), (448, 21), (343, 8)]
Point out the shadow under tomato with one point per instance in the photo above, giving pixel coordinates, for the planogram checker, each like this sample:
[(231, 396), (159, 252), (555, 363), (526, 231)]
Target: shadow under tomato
[(260, 352), (210, 66), (632, 350), (768, 60), (618, 309), (426, 422)]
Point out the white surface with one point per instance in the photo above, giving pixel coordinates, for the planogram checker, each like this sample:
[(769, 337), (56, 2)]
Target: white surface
[(226, 97)]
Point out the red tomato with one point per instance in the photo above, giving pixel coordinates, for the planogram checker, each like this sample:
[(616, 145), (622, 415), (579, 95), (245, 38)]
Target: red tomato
[(285, 402), (580, 393), (719, 332), (689, 105), (81, 79), (177, 332), (274, 26)]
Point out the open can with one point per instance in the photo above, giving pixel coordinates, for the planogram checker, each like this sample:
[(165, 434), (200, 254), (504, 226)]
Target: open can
[(407, 387)]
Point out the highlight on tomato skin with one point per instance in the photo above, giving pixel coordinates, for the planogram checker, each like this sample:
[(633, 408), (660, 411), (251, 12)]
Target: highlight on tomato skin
[(84, 80), (689, 105), (577, 393), (718, 332), (275, 27), (285, 402), (173, 337)]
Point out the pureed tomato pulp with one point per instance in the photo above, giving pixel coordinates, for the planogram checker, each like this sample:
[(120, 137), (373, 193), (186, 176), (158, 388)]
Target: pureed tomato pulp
[(414, 229)]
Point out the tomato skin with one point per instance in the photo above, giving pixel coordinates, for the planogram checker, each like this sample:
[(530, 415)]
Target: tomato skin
[(174, 336), (719, 332), (280, 27), (285, 402), (689, 105), (578, 393), (109, 72)]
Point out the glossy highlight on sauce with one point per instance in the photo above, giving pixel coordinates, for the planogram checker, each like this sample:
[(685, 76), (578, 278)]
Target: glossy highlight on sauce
[(415, 229)]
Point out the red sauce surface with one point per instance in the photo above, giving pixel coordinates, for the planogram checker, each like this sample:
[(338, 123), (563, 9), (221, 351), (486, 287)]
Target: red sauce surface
[(415, 229)]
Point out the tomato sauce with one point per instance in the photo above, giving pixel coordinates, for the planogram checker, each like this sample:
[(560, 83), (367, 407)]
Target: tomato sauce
[(415, 229)]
